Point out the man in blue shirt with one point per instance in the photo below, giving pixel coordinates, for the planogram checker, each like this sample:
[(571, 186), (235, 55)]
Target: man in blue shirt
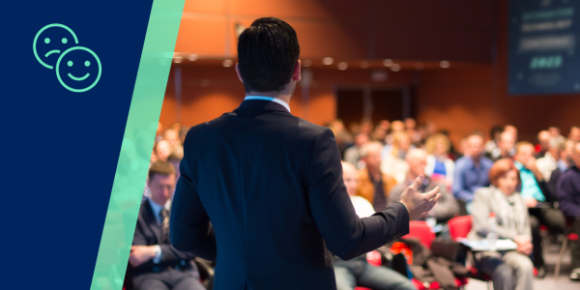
[(534, 190), (471, 172)]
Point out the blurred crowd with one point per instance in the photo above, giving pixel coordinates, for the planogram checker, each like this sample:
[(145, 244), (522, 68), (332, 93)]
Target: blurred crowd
[(528, 188), (531, 189)]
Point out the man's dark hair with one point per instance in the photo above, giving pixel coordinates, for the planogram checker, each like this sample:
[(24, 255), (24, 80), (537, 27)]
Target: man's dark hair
[(161, 168), (267, 53)]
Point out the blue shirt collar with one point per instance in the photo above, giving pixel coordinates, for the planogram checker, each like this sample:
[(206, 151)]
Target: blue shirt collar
[(271, 99)]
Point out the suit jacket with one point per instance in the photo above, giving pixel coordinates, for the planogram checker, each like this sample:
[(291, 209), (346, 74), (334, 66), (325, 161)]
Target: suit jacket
[(147, 233), (272, 186), (366, 188)]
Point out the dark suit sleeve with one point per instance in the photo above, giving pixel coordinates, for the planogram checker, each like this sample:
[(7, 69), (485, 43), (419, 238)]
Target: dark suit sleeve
[(190, 229), (345, 234)]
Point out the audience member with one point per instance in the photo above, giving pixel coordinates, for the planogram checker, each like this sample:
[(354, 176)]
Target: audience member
[(393, 163), (505, 147), (343, 137), (543, 144), (172, 137), (358, 272), (549, 161), (555, 134), (352, 155), (162, 150), (374, 185), (446, 206), (366, 127), (154, 263), (396, 127), (513, 130), (411, 129), (471, 173), (534, 191), (492, 145), (569, 200), (439, 166), (379, 134), (565, 161), (574, 134), (512, 269)]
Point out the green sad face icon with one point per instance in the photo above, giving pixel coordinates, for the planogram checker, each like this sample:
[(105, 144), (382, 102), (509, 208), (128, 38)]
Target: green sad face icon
[(78, 69), (50, 41)]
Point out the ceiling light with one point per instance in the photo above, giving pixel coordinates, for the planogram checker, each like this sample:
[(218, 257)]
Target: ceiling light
[(364, 64), (342, 65), (395, 67), (444, 64), (227, 62), (192, 57), (327, 60), (418, 66), (306, 63), (177, 59), (388, 62)]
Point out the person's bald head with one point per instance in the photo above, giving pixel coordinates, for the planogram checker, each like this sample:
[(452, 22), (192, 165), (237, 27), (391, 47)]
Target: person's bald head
[(371, 155), (544, 139), (506, 141), (350, 178), (417, 161)]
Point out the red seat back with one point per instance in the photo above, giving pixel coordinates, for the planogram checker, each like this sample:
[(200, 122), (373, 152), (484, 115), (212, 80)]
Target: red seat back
[(459, 226), (421, 231)]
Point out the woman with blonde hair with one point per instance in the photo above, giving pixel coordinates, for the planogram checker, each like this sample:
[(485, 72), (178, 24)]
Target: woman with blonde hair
[(439, 166)]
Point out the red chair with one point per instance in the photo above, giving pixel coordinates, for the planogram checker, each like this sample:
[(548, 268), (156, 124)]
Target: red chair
[(421, 231), (459, 227)]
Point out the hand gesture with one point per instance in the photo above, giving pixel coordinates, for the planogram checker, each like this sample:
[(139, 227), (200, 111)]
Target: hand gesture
[(419, 204)]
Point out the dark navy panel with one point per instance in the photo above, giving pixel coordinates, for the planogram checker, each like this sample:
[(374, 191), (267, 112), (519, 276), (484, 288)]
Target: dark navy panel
[(60, 145)]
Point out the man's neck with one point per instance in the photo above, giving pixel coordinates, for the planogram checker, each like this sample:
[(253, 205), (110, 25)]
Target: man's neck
[(475, 159), (281, 96), (159, 201), (375, 172)]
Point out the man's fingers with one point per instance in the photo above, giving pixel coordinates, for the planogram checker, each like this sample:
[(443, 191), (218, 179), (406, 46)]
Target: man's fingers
[(418, 181), (431, 194)]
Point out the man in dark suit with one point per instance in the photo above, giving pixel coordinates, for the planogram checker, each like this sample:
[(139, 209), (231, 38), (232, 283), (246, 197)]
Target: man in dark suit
[(155, 264), (271, 183)]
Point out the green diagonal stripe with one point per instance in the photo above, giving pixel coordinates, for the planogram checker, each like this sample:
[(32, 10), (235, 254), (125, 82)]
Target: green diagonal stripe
[(137, 144)]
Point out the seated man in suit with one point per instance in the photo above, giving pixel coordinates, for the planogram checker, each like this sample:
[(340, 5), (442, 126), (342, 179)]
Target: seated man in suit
[(155, 264), (358, 272), (569, 199), (446, 207)]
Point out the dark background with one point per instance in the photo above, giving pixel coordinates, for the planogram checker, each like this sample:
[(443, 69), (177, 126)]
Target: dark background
[(60, 148)]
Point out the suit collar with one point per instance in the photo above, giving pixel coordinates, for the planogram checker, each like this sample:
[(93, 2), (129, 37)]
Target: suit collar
[(261, 105)]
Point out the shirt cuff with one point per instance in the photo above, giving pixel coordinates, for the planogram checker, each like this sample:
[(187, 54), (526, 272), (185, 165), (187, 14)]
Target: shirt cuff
[(157, 258)]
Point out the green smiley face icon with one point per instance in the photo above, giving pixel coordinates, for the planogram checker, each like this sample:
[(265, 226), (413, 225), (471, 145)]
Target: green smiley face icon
[(50, 41), (78, 69)]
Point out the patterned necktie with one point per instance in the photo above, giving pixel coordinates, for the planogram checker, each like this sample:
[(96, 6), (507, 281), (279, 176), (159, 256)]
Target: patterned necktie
[(164, 226)]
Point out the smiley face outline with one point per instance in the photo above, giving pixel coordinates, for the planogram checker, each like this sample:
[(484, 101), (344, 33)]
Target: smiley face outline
[(100, 70), (40, 32)]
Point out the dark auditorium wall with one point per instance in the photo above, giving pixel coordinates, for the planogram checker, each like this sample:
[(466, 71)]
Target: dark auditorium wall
[(209, 91)]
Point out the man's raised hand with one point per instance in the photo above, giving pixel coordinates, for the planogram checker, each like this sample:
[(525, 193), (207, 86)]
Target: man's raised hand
[(419, 204)]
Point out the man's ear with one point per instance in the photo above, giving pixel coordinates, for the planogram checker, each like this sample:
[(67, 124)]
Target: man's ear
[(238, 72), (296, 76)]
